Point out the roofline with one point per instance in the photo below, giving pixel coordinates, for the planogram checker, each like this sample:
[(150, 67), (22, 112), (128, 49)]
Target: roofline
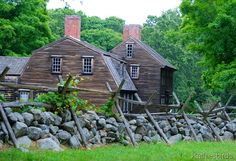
[(142, 43)]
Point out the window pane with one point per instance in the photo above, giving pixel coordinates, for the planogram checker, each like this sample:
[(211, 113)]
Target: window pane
[(56, 65), (129, 50), (134, 72), (87, 65)]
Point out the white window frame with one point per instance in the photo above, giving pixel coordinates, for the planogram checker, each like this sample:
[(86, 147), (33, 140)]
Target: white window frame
[(129, 50), (24, 95), (134, 71), (56, 67), (88, 62)]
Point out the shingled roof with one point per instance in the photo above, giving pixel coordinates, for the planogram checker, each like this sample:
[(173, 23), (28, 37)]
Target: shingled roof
[(110, 59), (158, 57), (119, 73), (16, 64)]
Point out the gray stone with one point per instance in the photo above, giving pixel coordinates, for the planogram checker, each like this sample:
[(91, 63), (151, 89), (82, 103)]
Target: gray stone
[(231, 127), (164, 123), (217, 121), (81, 121), (102, 133), (187, 138), (74, 141), (110, 127), (49, 118), (66, 116), (28, 117), (48, 144), (93, 114), (125, 142), (43, 118), (20, 129), (151, 133), (137, 137), (156, 138), (199, 137), (45, 131), (37, 114), (69, 127), (228, 136), (174, 130), (207, 136), (140, 122), (3, 127), (86, 133), (63, 136), (109, 139), (222, 124), (113, 135), (53, 129), (34, 133), (24, 142), (34, 123), (121, 128), (167, 128), (173, 119), (8, 110), (147, 139), (176, 138), (1, 144), (14, 117), (102, 122), (192, 122), (57, 119), (112, 121), (2, 135), (141, 130), (133, 127), (132, 122)]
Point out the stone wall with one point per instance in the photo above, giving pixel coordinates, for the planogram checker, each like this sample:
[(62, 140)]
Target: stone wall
[(50, 131)]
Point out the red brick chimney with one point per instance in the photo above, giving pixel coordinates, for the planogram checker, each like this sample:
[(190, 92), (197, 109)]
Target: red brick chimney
[(72, 26), (133, 30)]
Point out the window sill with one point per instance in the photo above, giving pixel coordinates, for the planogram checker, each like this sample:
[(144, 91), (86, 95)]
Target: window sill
[(87, 73)]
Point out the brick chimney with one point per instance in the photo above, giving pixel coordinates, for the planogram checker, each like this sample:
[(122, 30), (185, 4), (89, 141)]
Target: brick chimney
[(133, 30), (72, 26)]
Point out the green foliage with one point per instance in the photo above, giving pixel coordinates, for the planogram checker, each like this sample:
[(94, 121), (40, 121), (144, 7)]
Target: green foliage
[(163, 34), (24, 26), (2, 98), (105, 34), (210, 26), (106, 108), (70, 100), (105, 39)]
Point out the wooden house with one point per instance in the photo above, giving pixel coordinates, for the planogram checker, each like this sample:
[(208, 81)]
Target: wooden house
[(16, 66), (143, 69), (70, 55), (149, 71)]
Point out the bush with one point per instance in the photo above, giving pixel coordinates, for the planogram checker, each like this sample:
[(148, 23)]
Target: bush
[(2, 98), (70, 100)]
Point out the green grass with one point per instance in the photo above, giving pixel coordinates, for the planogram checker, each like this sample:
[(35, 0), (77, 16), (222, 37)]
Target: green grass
[(183, 151)]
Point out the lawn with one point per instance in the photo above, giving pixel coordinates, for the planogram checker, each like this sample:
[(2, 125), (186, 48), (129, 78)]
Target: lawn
[(183, 151)]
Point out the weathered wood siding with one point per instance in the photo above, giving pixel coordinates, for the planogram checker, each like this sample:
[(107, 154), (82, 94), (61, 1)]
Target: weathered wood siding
[(150, 70), (38, 70)]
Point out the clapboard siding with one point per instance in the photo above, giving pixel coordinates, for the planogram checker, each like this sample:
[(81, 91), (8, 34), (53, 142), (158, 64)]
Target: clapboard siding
[(38, 70), (150, 70)]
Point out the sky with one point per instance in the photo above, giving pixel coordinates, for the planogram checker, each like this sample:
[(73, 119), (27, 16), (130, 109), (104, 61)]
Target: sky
[(132, 11)]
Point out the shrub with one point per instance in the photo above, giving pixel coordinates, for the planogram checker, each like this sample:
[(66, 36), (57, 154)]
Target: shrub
[(70, 100)]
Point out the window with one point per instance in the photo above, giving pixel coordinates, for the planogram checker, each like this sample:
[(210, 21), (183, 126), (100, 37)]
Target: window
[(129, 50), (24, 95), (87, 64), (56, 64), (134, 71)]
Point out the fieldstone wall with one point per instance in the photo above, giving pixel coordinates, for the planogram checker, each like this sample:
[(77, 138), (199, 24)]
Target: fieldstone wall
[(50, 131)]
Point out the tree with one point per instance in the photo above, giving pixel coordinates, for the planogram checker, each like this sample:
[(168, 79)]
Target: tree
[(105, 34), (105, 39), (211, 26), (163, 34), (24, 26)]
